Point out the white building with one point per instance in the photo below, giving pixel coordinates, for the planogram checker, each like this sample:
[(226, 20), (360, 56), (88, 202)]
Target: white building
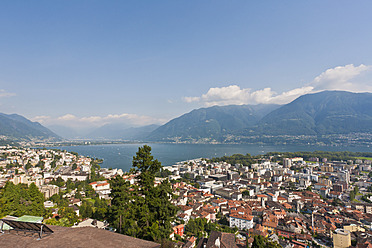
[(241, 221)]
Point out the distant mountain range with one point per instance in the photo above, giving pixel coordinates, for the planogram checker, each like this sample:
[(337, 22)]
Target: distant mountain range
[(212, 123), (324, 113), (328, 112), (121, 132), (18, 128)]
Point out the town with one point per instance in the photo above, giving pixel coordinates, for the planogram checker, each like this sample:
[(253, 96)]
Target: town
[(287, 201)]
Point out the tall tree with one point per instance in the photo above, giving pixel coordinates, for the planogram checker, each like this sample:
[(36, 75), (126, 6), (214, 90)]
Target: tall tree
[(121, 214), (143, 210), (20, 199), (156, 212)]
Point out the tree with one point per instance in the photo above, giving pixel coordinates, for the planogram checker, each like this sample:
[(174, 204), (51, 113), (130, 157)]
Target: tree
[(261, 242), (59, 182), (37, 198), (224, 221), (353, 193), (156, 212), (20, 200), (100, 211), (86, 210), (69, 213), (70, 185), (142, 210), (337, 202), (196, 227), (121, 214), (145, 164), (41, 164), (28, 166), (246, 193)]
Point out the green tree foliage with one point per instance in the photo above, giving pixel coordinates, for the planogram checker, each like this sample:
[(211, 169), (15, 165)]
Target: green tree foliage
[(258, 242), (142, 210), (163, 173), (40, 164), (200, 227), (353, 193), (28, 166), (366, 198), (59, 182), (94, 176), (70, 185), (100, 209), (337, 202), (86, 210), (59, 200), (245, 160), (261, 242), (20, 200), (246, 193), (224, 221), (122, 212), (53, 164), (69, 214)]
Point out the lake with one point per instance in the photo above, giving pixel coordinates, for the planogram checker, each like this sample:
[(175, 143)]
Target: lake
[(121, 155)]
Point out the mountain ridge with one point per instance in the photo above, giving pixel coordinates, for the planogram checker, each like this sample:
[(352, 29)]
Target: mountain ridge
[(18, 128), (211, 123), (322, 113), (317, 114), (326, 112)]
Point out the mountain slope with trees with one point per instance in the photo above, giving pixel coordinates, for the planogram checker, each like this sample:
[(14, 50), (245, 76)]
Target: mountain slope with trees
[(323, 113), (18, 128), (327, 112), (122, 132), (211, 123)]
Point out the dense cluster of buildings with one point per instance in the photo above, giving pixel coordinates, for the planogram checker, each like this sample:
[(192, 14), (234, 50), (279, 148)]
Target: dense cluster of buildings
[(306, 203), (42, 166), (294, 202)]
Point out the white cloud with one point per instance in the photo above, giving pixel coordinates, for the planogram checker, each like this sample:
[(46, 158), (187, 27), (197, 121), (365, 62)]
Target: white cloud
[(73, 121), (67, 117), (222, 96), (191, 99), (342, 78), (338, 78), (41, 118), (4, 93), (234, 95)]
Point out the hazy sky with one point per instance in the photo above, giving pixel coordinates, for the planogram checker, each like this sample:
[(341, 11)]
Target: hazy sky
[(90, 62)]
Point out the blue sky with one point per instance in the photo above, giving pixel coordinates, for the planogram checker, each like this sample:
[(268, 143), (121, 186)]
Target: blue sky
[(88, 63)]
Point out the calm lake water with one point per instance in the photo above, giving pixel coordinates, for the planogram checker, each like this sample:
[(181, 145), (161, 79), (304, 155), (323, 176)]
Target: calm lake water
[(121, 155)]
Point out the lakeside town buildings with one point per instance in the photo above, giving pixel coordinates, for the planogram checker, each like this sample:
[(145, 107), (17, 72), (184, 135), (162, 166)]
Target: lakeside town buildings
[(297, 203)]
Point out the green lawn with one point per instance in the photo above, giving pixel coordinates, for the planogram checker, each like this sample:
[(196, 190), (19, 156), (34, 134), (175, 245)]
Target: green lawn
[(363, 158)]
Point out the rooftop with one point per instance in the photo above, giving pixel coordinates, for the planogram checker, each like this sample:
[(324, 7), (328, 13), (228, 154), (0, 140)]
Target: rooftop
[(73, 237)]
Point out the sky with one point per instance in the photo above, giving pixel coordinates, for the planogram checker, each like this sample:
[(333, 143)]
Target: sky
[(88, 63)]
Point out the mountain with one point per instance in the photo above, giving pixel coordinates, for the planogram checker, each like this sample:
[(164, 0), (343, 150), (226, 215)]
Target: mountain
[(211, 123), (65, 132), (323, 113), (121, 132), (16, 127), (327, 112)]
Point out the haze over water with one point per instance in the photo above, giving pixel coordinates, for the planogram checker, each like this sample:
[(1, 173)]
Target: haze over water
[(120, 155)]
